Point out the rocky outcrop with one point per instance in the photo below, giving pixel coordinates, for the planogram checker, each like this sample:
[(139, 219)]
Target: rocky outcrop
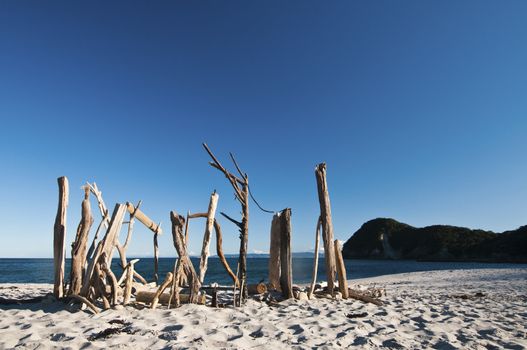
[(389, 239)]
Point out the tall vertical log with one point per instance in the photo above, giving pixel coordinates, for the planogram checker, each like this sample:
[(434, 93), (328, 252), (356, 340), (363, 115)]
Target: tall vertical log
[(274, 253), (341, 270), (244, 233), (327, 225), (286, 271), (79, 246), (211, 212), (59, 237), (156, 259)]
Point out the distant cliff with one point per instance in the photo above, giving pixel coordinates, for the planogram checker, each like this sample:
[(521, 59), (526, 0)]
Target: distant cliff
[(389, 239)]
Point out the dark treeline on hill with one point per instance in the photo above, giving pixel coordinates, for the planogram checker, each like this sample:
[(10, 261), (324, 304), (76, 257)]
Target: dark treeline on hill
[(389, 239)]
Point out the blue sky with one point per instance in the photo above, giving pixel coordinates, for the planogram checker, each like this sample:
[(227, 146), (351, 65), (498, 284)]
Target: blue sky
[(418, 107)]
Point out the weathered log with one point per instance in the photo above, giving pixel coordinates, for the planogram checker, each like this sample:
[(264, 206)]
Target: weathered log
[(105, 246), (327, 225), (78, 247), (274, 253), (315, 263), (145, 220), (129, 281), (59, 237), (353, 294), (286, 269), (147, 297), (341, 270), (178, 222), (211, 212), (241, 191), (161, 289), (258, 288)]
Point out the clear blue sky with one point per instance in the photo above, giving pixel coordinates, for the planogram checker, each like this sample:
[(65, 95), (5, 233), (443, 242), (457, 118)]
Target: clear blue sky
[(418, 107)]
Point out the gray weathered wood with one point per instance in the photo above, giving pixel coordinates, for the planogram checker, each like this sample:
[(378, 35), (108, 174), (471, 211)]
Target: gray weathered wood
[(286, 268), (327, 225), (211, 212), (178, 222), (341, 270), (274, 253), (106, 246), (59, 237), (143, 218), (79, 246)]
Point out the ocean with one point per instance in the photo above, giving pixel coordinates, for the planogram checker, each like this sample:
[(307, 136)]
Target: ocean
[(41, 270)]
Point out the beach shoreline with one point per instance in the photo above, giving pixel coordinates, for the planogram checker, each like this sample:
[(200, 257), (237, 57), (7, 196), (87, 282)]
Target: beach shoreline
[(449, 309)]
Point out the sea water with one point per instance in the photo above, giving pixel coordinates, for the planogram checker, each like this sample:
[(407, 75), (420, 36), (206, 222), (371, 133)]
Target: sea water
[(41, 270)]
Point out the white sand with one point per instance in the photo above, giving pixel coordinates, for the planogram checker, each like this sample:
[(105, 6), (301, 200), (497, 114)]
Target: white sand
[(421, 311)]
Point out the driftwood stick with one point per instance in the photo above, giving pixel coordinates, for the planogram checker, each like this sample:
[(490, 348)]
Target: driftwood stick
[(367, 299), (211, 212), (106, 245), (129, 281), (241, 190), (156, 259), (59, 237), (105, 221), (315, 263), (143, 218), (131, 222), (113, 280), (85, 301), (78, 247), (235, 222), (341, 271), (274, 253), (286, 270), (161, 289), (327, 225), (219, 252)]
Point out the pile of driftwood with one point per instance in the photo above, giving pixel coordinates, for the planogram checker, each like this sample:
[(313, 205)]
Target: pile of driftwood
[(93, 283)]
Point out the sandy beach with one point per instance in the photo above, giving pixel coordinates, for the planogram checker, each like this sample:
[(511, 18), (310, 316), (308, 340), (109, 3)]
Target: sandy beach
[(460, 309)]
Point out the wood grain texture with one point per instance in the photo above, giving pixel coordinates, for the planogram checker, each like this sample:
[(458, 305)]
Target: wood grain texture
[(79, 246), (274, 253), (327, 225), (286, 263), (59, 237)]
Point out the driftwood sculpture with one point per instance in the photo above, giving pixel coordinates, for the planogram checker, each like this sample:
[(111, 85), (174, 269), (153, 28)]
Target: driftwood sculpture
[(327, 225), (79, 246), (240, 186), (105, 246), (59, 237)]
